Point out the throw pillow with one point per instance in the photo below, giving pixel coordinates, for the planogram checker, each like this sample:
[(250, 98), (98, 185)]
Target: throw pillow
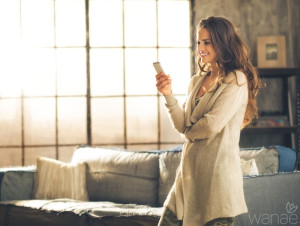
[(287, 159), (249, 167), (55, 179)]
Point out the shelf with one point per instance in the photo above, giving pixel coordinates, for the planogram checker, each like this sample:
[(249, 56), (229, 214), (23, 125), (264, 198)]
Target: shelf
[(291, 133), (278, 72), (273, 129)]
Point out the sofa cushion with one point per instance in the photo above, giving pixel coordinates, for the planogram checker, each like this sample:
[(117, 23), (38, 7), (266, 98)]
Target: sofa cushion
[(266, 158), (119, 175), (56, 179), (72, 212), (41, 213), (168, 163), (17, 183)]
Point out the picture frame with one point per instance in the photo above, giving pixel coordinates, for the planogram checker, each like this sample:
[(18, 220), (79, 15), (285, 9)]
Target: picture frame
[(271, 51)]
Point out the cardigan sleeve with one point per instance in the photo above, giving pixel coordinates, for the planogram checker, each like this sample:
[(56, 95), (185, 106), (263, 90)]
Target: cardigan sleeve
[(176, 112), (230, 100)]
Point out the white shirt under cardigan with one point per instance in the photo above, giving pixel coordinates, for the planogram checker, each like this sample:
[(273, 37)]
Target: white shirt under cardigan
[(209, 181)]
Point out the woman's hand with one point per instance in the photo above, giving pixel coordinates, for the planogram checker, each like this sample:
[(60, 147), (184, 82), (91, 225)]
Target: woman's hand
[(163, 84), (187, 134)]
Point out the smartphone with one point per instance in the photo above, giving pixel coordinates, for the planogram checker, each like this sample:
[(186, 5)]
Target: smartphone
[(158, 67)]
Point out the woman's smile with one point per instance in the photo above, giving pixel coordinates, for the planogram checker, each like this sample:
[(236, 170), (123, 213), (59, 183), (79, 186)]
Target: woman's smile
[(202, 55), (205, 48)]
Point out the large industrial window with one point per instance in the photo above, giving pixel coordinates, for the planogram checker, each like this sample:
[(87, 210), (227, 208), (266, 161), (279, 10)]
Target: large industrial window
[(79, 72)]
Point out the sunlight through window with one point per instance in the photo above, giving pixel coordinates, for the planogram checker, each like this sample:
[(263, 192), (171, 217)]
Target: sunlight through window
[(102, 32), (80, 72)]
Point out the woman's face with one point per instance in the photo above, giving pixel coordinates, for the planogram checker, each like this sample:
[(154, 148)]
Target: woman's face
[(205, 47)]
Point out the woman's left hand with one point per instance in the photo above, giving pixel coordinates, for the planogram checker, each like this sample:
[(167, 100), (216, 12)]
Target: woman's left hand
[(187, 134)]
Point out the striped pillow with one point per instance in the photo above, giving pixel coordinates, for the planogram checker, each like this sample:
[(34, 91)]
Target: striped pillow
[(55, 179)]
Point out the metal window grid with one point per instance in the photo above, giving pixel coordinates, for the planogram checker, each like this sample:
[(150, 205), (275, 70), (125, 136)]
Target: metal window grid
[(88, 93)]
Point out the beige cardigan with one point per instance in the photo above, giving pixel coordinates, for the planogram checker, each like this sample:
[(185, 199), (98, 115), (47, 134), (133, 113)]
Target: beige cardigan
[(209, 181)]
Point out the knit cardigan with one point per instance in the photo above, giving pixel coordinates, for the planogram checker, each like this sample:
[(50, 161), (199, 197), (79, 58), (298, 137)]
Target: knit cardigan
[(209, 181)]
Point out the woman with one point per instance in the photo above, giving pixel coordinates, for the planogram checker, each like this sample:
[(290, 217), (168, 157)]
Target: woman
[(221, 100)]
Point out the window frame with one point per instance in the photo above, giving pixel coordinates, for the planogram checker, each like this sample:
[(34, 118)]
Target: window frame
[(89, 139)]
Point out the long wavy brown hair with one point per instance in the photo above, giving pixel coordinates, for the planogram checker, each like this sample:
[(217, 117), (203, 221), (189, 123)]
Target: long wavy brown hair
[(232, 54)]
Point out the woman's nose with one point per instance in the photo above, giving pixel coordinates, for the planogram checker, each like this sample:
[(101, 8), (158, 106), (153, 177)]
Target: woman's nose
[(201, 47)]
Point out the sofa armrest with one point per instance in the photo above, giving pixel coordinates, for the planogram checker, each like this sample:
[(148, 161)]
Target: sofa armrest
[(16, 183), (270, 198)]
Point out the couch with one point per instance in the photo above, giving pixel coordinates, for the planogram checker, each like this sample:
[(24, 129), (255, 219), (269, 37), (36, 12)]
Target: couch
[(122, 187)]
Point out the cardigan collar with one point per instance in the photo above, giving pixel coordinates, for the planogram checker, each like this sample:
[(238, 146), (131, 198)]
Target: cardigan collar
[(193, 112)]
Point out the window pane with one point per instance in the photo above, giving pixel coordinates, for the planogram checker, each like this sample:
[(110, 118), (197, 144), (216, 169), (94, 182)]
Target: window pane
[(107, 120), (65, 153), (10, 122), (168, 133), (10, 32), (39, 77), (39, 121), (38, 24), (72, 120), (31, 154), (11, 73), (102, 32), (177, 63), (140, 23), (141, 119), (10, 157), (173, 23), (70, 22), (106, 72), (71, 71), (140, 74)]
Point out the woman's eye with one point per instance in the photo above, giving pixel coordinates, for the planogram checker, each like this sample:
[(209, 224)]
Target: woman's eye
[(205, 43)]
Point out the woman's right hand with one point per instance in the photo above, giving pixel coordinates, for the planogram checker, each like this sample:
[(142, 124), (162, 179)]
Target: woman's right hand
[(164, 84)]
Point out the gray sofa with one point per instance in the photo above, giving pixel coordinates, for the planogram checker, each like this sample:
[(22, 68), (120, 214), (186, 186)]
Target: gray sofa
[(129, 188)]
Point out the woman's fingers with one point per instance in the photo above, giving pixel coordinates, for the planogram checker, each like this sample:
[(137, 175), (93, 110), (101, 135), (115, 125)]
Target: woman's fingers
[(161, 83), (162, 80), (161, 76)]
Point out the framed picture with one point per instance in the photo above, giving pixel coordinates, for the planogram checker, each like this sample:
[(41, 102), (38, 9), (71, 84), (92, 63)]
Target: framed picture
[(271, 51)]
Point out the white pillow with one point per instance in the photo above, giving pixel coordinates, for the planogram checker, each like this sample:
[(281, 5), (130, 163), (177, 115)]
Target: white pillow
[(249, 167), (55, 179), (266, 159)]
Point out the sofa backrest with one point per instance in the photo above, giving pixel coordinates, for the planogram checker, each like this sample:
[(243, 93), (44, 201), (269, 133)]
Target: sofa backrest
[(119, 175), (146, 177), (127, 176), (168, 164), (16, 183), (124, 176)]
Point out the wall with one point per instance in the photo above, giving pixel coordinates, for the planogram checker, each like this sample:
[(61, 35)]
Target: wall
[(260, 18), (257, 18)]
